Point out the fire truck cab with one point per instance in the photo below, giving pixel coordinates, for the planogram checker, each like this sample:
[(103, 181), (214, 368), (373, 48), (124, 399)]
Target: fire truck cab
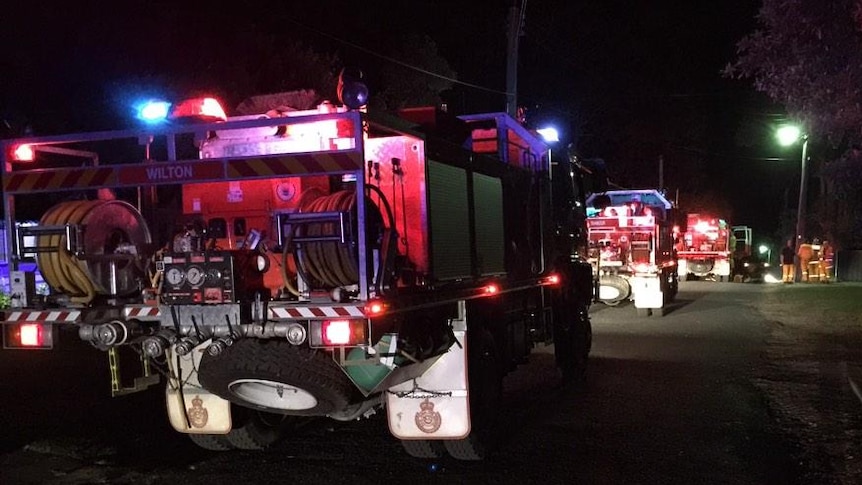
[(631, 247)]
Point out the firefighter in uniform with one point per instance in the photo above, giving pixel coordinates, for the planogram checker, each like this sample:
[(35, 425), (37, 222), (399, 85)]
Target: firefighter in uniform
[(826, 261), (814, 262), (805, 253), (788, 269)]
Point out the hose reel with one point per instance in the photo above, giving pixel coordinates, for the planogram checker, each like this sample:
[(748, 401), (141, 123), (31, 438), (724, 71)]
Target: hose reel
[(106, 255), (321, 237)]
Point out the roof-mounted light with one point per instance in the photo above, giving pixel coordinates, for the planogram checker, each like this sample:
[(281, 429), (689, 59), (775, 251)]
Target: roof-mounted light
[(23, 153), (199, 109), (154, 111)]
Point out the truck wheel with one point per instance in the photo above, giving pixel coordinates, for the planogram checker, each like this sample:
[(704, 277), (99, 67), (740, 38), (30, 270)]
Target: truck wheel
[(573, 339), (258, 431), (276, 377), (485, 383), (424, 448), (211, 442)]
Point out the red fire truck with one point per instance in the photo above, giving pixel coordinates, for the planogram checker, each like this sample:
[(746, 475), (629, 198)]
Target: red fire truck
[(706, 249), (632, 235), (313, 260)]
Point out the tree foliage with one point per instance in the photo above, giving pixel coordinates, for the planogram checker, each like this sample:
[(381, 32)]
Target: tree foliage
[(417, 75), (807, 55)]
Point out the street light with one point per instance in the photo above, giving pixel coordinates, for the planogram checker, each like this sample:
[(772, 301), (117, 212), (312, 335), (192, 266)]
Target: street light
[(788, 135)]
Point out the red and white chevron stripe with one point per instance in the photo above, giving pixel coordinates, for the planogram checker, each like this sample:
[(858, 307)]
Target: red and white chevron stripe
[(142, 311), (59, 316), (329, 311)]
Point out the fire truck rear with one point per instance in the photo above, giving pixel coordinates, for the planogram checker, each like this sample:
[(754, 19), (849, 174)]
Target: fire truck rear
[(707, 248), (306, 262), (631, 234)]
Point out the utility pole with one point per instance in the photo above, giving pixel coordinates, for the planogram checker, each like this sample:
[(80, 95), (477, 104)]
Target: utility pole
[(516, 20), (661, 172)]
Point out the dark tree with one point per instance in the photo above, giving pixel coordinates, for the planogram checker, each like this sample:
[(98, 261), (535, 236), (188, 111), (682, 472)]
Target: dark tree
[(807, 55)]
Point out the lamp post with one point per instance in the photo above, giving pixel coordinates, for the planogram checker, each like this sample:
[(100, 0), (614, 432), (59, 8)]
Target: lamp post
[(788, 135)]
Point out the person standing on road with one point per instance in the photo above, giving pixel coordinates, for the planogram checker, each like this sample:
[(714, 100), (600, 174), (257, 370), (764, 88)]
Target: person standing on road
[(827, 255), (788, 269), (806, 254)]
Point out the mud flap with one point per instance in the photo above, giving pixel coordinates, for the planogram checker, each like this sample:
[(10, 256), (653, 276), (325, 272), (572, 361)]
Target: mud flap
[(433, 405), (192, 409)]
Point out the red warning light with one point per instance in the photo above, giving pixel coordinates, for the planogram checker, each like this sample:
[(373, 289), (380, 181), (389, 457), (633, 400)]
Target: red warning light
[(24, 153), (492, 289), (552, 279)]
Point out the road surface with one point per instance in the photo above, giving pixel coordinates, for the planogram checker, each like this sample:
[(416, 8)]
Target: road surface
[(710, 393)]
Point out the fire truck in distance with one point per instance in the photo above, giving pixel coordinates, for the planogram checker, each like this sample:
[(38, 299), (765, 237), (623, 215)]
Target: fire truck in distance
[(631, 234), (706, 249), (312, 260)]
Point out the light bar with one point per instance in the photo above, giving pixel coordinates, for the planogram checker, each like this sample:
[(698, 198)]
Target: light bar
[(23, 153)]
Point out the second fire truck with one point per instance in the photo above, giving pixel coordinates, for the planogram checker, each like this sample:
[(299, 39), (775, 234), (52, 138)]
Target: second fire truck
[(632, 234)]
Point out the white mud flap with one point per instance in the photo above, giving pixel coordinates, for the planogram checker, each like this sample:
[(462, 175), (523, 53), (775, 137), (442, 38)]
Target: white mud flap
[(433, 405), (192, 409), (647, 291)]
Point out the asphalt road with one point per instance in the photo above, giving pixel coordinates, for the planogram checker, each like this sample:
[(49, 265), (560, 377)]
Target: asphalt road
[(677, 399)]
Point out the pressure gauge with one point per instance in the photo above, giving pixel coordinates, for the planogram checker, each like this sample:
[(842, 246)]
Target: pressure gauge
[(195, 275), (213, 276), (175, 276)]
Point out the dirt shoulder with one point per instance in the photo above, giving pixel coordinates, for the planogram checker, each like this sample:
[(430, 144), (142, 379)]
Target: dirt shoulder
[(813, 374)]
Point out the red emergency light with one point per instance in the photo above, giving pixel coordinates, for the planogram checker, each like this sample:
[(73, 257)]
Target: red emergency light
[(28, 336), (491, 289), (203, 109), (23, 153), (552, 280)]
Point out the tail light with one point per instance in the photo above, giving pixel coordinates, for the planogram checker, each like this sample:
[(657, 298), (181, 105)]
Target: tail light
[(339, 332), (28, 336)]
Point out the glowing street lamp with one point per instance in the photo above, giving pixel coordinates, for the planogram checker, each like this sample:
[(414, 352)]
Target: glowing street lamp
[(788, 135)]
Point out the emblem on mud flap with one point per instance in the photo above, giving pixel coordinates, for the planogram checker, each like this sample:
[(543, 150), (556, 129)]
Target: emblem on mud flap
[(428, 420), (198, 415)]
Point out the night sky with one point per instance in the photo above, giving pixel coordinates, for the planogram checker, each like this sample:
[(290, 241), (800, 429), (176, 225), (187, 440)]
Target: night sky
[(629, 82)]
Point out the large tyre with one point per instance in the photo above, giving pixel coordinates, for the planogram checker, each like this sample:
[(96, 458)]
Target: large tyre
[(485, 383), (424, 448), (258, 430), (211, 442), (276, 377), (573, 340)]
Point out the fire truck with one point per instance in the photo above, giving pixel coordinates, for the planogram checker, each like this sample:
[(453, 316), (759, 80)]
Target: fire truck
[(306, 261), (706, 249), (631, 248)]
